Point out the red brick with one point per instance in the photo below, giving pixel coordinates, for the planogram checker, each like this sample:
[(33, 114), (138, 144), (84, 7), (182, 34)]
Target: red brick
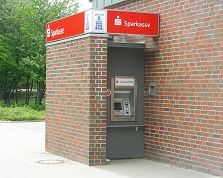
[(69, 107), (195, 46)]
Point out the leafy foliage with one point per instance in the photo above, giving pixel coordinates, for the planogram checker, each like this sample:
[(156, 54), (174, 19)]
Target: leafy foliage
[(14, 113), (22, 43)]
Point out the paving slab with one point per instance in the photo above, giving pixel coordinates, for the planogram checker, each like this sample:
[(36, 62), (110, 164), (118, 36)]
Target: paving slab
[(23, 155)]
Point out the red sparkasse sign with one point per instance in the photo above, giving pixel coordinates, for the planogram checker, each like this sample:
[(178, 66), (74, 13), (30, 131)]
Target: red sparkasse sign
[(122, 22), (66, 27), (103, 21)]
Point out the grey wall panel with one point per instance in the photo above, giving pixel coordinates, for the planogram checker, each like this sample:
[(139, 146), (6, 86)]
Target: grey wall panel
[(126, 142)]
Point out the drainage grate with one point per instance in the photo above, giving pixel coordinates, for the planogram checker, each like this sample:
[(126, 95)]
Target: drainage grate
[(50, 161)]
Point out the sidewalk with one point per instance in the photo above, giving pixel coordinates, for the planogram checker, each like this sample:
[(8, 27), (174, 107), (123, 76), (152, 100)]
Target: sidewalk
[(22, 155)]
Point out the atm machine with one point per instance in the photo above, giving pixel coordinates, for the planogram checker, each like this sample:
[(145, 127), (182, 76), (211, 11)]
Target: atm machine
[(123, 101)]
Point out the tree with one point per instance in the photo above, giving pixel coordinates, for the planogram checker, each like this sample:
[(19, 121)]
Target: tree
[(24, 22), (36, 13), (9, 36), (8, 72)]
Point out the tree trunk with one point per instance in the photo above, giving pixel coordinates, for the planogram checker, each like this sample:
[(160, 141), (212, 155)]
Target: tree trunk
[(16, 94), (38, 94), (27, 90), (7, 94), (1, 90), (30, 92)]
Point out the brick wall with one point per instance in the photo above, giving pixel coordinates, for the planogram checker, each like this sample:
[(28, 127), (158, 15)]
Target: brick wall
[(185, 119), (76, 99)]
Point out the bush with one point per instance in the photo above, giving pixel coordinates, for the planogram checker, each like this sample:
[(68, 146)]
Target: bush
[(22, 113)]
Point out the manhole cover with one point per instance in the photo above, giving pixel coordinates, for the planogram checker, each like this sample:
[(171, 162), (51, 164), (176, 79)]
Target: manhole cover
[(50, 162)]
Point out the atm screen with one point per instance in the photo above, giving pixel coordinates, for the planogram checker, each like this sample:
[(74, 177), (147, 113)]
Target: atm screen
[(118, 106)]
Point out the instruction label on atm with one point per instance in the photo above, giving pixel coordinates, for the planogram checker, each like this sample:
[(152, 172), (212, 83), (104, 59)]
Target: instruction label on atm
[(124, 82)]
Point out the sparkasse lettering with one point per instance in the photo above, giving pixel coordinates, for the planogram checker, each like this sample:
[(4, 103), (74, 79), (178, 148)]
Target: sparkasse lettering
[(136, 24), (126, 81), (57, 32)]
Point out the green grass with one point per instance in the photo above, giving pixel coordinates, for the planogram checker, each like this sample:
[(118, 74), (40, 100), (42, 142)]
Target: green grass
[(21, 112)]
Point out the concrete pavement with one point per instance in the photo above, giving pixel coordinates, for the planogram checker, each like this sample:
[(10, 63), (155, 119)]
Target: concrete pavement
[(22, 155)]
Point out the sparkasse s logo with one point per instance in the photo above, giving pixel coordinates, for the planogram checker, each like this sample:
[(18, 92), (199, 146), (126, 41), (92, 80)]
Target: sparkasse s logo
[(52, 33), (118, 21), (48, 31)]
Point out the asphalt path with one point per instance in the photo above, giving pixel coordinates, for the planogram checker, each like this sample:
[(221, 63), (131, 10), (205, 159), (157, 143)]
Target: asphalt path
[(23, 155)]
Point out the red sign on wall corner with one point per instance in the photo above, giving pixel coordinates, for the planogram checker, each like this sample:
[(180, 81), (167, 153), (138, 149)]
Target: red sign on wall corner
[(122, 22), (66, 27), (103, 21)]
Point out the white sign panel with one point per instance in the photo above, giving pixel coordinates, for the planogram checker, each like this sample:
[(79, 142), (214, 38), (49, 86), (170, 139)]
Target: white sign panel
[(99, 18), (88, 21), (127, 82), (95, 21)]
